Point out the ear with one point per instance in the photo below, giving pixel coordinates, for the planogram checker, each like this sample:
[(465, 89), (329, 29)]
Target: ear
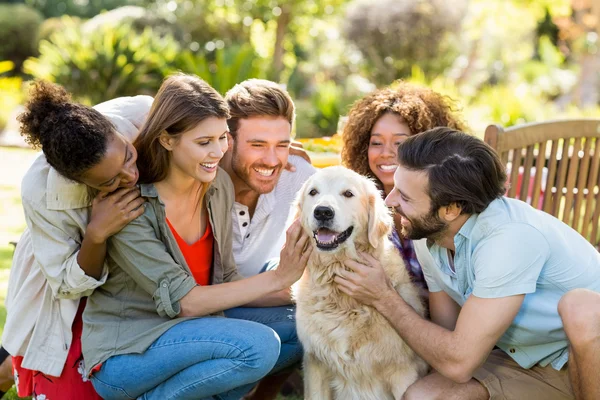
[(380, 220), (166, 141), (230, 140), (450, 212)]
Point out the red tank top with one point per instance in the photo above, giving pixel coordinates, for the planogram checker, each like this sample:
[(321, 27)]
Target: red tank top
[(199, 255)]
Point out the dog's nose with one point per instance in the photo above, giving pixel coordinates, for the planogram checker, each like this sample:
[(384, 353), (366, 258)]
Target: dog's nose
[(323, 213)]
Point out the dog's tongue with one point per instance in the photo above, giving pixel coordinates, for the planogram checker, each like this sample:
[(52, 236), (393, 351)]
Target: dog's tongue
[(325, 235)]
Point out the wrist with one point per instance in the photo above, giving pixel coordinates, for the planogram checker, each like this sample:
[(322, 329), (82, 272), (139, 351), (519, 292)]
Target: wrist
[(278, 281), (94, 237), (388, 299)]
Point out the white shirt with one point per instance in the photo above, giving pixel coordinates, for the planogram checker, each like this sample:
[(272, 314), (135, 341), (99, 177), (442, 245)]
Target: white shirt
[(46, 281), (257, 240)]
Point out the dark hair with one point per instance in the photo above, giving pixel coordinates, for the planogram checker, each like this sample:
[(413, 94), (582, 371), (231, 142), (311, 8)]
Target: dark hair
[(420, 107), (462, 169), (182, 102), (255, 98), (72, 136)]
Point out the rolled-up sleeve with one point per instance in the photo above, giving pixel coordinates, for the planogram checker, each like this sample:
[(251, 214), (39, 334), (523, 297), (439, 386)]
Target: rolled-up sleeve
[(138, 251), (55, 240)]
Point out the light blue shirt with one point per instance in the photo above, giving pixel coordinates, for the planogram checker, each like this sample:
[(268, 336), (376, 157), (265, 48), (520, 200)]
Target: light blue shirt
[(511, 249)]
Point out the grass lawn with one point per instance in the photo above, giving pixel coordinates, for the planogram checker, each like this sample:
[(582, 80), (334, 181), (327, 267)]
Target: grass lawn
[(14, 164)]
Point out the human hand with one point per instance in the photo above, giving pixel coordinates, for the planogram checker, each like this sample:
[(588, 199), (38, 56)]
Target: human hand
[(294, 255), (296, 149), (367, 282), (112, 211)]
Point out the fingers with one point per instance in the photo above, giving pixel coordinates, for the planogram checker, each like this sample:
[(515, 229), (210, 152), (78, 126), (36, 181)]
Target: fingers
[(136, 212), (345, 285), (136, 205), (369, 258), (127, 196), (293, 232), (356, 266)]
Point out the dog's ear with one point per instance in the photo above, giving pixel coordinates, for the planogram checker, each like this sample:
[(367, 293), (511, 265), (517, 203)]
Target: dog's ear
[(380, 220)]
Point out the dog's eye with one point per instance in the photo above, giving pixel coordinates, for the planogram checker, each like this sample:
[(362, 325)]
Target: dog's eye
[(313, 192), (348, 194)]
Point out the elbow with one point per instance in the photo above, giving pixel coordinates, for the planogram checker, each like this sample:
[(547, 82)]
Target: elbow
[(459, 373)]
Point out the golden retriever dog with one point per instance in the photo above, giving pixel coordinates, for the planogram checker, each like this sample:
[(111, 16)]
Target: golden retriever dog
[(351, 351)]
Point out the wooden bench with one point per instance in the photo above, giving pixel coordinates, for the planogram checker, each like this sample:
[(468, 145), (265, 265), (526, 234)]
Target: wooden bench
[(555, 167)]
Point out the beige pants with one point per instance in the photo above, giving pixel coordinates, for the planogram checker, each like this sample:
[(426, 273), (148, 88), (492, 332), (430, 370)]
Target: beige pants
[(506, 380)]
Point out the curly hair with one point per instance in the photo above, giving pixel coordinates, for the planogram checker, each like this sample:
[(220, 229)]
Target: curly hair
[(72, 136), (420, 107)]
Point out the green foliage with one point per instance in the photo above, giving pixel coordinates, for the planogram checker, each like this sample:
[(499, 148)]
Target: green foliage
[(395, 35), (11, 90), (105, 63), (19, 25), (56, 24), (79, 8), (223, 68)]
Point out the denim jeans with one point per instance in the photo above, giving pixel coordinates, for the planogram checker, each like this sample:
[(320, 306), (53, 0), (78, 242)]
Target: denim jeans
[(281, 319), (207, 358), (204, 358)]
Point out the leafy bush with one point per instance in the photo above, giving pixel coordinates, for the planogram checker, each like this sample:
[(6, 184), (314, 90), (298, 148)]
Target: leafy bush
[(56, 24), (105, 63), (12, 94), (223, 68), (19, 25), (394, 35), (79, 8)]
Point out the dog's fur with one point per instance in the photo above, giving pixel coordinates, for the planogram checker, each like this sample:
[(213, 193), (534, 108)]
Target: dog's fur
[(351, 351)]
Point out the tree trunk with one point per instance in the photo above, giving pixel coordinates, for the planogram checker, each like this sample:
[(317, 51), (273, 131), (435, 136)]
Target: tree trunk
[(282, 25)]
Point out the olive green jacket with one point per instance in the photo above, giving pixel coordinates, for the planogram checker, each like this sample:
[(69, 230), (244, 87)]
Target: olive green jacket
[(148, 276)]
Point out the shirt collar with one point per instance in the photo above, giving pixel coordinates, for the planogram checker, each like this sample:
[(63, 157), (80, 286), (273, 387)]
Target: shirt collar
[(65, 194), (149, 190)]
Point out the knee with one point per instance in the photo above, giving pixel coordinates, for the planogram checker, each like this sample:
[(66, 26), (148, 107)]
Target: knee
[(579, 310), (419, 391), (264, 350)]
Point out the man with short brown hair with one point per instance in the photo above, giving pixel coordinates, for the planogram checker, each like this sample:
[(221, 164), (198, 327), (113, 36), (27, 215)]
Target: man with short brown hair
[(262, 115)]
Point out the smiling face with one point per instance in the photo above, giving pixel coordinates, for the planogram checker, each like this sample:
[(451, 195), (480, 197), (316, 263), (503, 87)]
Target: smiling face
[(339, 207), (387, 133), (410, 200), (260, 151), (196, 153), (116, 169)]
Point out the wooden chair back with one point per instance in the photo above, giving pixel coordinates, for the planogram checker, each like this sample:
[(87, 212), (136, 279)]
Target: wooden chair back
[(555, 167)]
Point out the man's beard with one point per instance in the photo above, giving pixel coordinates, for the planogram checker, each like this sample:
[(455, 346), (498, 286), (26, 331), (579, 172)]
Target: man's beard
[(245, 173), (430, 226)]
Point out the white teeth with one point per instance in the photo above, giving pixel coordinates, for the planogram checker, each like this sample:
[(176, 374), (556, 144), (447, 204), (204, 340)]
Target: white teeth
[(264, 172), (388, 168), (209, 166)]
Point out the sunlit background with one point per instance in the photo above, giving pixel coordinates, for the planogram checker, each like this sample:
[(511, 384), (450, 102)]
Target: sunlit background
[(502, 61)]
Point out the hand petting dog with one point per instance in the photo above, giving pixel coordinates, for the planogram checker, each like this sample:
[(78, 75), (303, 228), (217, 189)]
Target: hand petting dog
[(366, 282)]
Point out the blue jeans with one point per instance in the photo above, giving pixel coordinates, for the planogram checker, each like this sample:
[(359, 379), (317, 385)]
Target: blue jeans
[(207, 358), (203, 358), (281, 319)]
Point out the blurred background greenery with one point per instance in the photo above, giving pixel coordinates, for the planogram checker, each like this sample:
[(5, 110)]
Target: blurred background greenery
[(503, 61)]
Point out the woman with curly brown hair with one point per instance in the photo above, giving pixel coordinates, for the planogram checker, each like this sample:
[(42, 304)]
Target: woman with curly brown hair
[(376, 125)]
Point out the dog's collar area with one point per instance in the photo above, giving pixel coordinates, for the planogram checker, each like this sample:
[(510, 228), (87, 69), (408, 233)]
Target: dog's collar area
[(327, 239)]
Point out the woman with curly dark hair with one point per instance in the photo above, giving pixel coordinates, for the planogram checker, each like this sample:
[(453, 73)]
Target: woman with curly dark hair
[(376, 125), (77, 193)]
